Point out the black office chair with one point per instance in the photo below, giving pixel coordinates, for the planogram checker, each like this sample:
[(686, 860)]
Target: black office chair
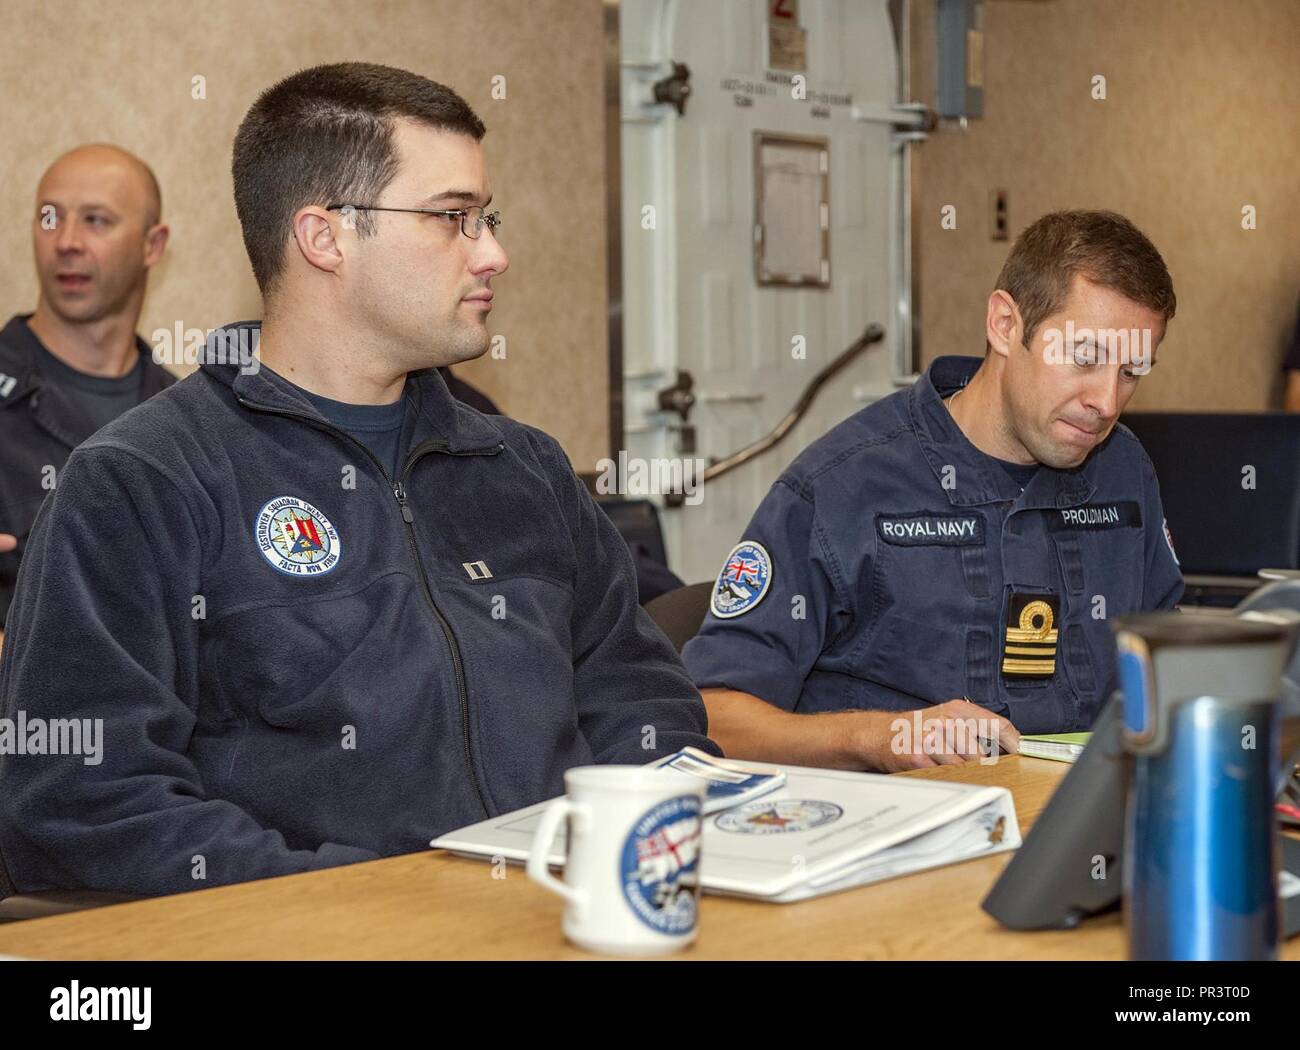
[(680, 613), (1224, 531), (637, 521)]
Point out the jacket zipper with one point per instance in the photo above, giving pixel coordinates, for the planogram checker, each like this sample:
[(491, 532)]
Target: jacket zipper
[(458, 670), (399, 493)]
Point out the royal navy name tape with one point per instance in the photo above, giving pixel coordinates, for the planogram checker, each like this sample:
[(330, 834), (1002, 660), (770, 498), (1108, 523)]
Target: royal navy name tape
[(919, 530)]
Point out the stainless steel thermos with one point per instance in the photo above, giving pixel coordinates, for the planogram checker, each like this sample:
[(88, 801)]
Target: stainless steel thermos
[(1202, 724)]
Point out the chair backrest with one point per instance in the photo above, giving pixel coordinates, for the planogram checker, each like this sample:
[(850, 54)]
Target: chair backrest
[(1230, 483), (680, 613), (637, 520)]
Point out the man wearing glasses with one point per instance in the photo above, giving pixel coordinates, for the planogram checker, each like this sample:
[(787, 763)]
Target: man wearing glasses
[(318, 611)]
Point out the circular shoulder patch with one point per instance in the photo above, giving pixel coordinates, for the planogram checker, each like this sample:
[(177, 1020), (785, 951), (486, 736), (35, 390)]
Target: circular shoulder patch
[(743, 580), (767, 817), (296, 538)]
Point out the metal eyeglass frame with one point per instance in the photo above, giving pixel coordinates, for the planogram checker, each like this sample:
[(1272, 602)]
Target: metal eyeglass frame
[(489, 219)]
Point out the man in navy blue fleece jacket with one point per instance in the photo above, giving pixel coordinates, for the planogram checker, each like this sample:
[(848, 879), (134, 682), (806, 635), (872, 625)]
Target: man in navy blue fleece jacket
[(307, 608)]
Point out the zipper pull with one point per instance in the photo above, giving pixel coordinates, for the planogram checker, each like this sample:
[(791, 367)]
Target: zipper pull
[(400, 492)]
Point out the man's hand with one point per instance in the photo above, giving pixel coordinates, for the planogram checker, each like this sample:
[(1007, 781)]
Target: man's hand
[(945, 734), (747, 727)]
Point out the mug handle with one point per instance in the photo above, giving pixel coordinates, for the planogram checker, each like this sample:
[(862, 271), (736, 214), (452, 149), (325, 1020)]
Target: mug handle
[(538, 869)]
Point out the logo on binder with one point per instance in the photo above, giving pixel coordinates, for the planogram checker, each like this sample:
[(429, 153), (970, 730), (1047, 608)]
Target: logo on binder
[(660, 865), (996, 826), (768, 817), (743, 580), (296, 538), (1030, 649)]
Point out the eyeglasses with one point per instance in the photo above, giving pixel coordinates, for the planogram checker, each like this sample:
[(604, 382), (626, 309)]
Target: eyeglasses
[(472, 220)]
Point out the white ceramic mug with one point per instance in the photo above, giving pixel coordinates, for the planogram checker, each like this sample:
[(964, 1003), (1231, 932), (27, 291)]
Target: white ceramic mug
[(632, 876)]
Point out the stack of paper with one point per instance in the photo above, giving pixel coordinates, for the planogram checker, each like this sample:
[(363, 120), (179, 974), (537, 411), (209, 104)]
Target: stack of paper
[(1059, 747)]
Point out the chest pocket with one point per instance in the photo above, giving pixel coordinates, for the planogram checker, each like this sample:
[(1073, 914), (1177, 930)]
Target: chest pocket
[(936, 538), (310, 664), (1101, 552), (930, 583), (477, 529)]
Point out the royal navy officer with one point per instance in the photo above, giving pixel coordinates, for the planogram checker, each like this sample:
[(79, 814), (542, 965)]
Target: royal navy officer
[(959, 548)]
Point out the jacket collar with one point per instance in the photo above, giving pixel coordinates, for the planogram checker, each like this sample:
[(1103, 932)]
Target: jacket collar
[(20, 376), (978, 477), (439, 416)]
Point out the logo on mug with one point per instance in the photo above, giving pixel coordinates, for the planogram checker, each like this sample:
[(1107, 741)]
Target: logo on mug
[(660, 866)]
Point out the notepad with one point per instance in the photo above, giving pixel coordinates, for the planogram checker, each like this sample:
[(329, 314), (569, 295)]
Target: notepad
[(1058, 747)]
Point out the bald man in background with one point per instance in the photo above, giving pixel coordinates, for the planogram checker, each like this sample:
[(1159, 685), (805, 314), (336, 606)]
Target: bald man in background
[(76, 362)]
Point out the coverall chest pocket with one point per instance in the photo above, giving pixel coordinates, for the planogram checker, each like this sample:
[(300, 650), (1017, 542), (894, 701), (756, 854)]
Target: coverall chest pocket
[(1112, 571), (925, 596)]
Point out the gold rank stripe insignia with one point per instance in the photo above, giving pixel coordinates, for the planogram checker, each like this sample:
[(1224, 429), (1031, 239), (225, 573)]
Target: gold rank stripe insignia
[(1029, 650), (1016, 635), (1029, 667)]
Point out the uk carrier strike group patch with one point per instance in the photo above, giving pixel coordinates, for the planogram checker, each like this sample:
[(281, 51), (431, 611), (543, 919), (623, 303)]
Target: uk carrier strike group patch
[(743, 580), (296, 538), (1030, 649)]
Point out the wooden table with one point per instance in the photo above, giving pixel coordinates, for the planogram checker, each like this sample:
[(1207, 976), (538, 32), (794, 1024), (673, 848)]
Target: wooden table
[(434, 906)]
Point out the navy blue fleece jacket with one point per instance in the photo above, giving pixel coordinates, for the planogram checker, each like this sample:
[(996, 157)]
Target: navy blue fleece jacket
[(299, 661)]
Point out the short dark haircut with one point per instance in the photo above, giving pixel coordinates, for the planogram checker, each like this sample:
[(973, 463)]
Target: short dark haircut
[(325, 136), (1101, 246)]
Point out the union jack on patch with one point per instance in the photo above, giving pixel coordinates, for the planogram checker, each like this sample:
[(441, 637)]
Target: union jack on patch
[(743, 581)]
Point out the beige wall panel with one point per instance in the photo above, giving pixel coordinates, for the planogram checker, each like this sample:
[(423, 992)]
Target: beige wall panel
[(1200, 119), (121, 71)]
